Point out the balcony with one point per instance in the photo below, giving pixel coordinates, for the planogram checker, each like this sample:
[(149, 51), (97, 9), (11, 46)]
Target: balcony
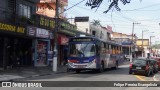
[(37, 21)]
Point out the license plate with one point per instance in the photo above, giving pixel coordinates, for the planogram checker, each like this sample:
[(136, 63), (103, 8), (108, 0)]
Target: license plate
[(138, 67), (81, 66)]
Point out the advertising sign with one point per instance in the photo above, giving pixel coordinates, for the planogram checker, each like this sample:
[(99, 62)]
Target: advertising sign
[(43, 33), (50, 55), (4, 27), (31, 31)]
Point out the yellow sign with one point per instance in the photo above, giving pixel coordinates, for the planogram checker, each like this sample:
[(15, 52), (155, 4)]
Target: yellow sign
[(47, 22), (145, 42), (12, 28)]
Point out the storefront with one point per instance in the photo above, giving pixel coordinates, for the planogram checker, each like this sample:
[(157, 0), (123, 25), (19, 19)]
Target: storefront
[(41, 45), (63, 48), (15, 47)]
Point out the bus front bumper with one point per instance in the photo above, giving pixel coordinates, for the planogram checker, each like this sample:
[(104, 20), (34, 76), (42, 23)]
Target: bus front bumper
[(84, 66)]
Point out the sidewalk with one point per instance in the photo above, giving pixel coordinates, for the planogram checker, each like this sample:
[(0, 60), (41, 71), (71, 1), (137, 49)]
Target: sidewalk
[(157, 76), (28, 72)]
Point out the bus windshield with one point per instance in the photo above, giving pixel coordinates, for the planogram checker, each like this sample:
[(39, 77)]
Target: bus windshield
[(82, 50)]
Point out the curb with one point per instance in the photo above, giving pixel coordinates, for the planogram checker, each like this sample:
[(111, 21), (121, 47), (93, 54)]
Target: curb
[(154, 77)]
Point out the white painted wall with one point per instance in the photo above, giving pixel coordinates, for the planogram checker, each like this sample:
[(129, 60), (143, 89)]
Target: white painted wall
[(83, 26), (100, 32)]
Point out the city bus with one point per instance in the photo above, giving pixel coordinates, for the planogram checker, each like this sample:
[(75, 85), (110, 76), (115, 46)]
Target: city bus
[(91, 53)]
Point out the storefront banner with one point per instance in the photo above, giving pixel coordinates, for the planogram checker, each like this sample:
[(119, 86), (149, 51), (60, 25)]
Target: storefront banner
[(63, 40), (50, 55), (43, 33), (4, 27)]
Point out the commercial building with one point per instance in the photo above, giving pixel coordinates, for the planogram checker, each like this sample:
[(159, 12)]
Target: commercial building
[(16, 48), (65, 30), (127, 44)]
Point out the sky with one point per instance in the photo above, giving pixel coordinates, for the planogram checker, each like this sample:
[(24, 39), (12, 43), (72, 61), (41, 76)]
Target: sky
[(144, 12)]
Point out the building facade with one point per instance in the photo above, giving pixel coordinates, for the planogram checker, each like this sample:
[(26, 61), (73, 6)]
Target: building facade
[(65, 30), (143, 48), (127, 43), (16, 46)]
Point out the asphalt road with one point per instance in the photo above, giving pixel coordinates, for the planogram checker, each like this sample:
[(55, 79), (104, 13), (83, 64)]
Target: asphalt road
[(121, 74)]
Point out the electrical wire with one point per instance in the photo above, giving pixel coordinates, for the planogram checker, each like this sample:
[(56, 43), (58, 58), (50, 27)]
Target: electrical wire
[(73, 6), (143, 7)]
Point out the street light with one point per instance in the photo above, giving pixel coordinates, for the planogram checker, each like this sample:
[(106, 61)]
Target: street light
[(132, 41), (142, 40)]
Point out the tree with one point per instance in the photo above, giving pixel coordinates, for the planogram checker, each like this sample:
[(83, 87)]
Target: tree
[(96, 22), (113, 3)]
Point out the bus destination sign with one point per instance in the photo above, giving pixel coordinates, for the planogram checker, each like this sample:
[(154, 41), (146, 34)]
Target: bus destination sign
[(81, 39)]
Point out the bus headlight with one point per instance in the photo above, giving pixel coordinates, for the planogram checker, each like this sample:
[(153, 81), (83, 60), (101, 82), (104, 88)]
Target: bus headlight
[(94, 61)]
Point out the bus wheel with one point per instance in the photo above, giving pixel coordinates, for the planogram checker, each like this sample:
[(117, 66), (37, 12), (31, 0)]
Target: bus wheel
[(77, 71), (101, 67), (116, 66)]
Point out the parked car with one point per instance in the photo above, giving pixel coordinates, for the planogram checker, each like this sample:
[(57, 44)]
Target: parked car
[(154, 64), (141, 66)]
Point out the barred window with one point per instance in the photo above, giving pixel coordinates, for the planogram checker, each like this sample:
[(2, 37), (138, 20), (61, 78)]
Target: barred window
[(24, 10)]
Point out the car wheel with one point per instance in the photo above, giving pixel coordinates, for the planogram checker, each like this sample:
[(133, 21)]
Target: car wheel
[(101, 68), (152, 72), (147, 74), (116, 66)]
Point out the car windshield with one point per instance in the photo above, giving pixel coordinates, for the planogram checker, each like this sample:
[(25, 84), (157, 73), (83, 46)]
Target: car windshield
[(82, 50), (139, 61)]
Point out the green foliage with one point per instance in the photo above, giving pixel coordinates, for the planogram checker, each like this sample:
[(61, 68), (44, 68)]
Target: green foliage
[(96, 22), (113, 3)]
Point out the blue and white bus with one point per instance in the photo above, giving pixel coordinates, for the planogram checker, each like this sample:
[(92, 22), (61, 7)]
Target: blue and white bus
[(90, 53)]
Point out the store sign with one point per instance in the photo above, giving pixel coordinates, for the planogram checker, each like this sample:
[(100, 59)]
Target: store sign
[(43, 33), (31, 31), (63, 40), (46, 22), (67, 26), (50, 55), (12, 28)]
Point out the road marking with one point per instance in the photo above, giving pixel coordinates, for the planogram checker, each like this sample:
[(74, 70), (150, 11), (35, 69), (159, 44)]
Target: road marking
[(140, 78)]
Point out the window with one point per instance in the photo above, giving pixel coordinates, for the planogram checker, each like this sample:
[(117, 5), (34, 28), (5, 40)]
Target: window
[(94, 33), (24, 10)]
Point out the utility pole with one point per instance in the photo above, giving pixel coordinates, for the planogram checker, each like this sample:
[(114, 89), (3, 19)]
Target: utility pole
[(55, 51), (132, 41), (142, 42)]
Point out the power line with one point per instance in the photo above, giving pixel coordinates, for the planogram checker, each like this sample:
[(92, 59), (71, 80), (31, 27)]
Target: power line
[(100, 14), (73, 6), (143, 7)]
